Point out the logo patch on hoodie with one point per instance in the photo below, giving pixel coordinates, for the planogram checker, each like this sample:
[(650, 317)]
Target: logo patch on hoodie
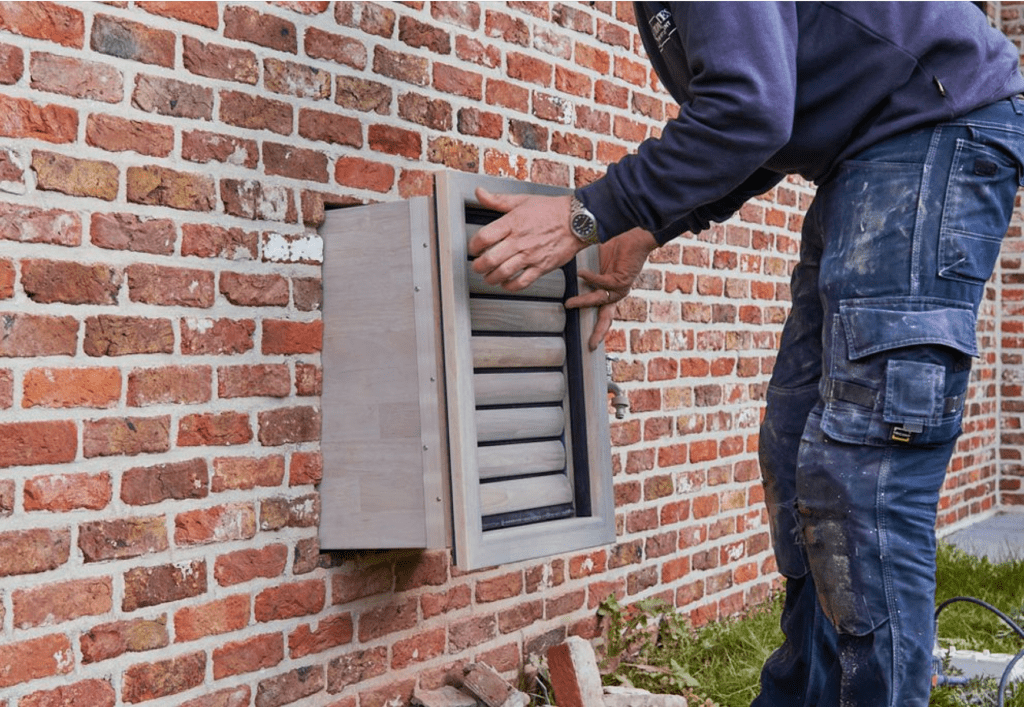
[(662, 27)]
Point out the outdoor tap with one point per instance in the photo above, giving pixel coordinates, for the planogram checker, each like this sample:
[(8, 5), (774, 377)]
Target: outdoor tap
[(619, 400)]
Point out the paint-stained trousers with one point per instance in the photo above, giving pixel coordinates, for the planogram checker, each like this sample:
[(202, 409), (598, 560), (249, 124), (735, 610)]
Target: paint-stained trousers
[(866, 400)]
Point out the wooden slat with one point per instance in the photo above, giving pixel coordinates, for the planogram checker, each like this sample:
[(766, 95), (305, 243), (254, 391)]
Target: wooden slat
[(523, 494), (518, 351), (551, 286), (511, 315), (519, 388), (520, 459), (519, 423)]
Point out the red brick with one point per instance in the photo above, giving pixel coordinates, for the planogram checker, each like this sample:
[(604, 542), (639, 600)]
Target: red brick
[(132, 40), (396, 615), (167, 286), (294, 162), (129, 232), (213, 618), (362, 95), (122, 538), (255, 112), (338, 48), (6, 388), (201, 146), (364, 174), (418, 648), (252, 199), (170, 384), (152, 586), (43, 442), (31, 552), (466, 633), (281, 512), (401, 67), (247, 565), (502, 587), (229, 697), (287, 337), (65, 388), (308, 379), (250, 655), (289, 601), (95, 693), (159, 186), (356, 667), (248, 25), (149, 681), (114, 639), (217, 61), (129, 436), (520, 616), (246, 473), (453, 153), (214, 429), (116, 134), (206, 241), (173, 98), (12, 64), (37, 658), (50, 281), (74, 77), (175, 480), (216, 336), (46, 21), (75, 177), (21, 118), (328, 127), (293, 79), (289, 426), (290, 687), (268, 380), (68, 492), (235, 521), (331, 632), (204, 14), (407, 143), (61, 601)]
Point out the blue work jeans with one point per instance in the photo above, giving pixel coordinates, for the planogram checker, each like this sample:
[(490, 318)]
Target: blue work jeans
[(865, 403)]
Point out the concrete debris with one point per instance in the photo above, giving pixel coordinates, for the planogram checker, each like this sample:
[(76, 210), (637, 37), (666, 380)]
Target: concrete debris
[(574, 674), (447, 696), (490, 688), (633, 697)]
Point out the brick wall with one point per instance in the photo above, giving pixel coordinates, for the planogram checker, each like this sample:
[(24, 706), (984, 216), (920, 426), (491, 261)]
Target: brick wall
[(163, 169)]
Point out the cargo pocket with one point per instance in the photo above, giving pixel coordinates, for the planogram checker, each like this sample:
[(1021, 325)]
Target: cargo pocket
[(898, 371), (979, 202)]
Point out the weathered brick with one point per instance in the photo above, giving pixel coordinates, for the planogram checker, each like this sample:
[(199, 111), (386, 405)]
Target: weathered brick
[(204, 14), (122, 538), (338, 48), (238, 696), (259, 380), (246, 565), (61, 601), (289, 426), (420, 35), (252, 199), (50, 281), (300, 512), (6, 388), (74, 77), (75, 177), (64, 387), (217, 61), (128, 436), (356, 667), (400, 66), (21, 118), (331, 632), (175, 480), (36, 658), (95, 693), (43, 442), (246, 473), (68, 492), (168, 286), (466, 633), (130, 232), (152, 586), (362, 95), (12, 64), (396, 615), (173, 98), (365, 174), (116, 134), (216, 336), (149, 681), (307, 293), (501, 587), (453, 153), (371, 18), (135, 41), (207, 241), (31, 552), (112, 335), (116, 638), (290, 687), (289, 601), (418, 648), (288, 337), (214, 429), (293, 79), (159, 186), (170, 384), (47, 21), (249, 655), (328, 127), (255, 112), (235, 521), (247, 24), (294, 162)]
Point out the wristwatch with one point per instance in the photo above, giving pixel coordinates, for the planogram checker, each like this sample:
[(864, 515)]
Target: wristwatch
[(582, 223)]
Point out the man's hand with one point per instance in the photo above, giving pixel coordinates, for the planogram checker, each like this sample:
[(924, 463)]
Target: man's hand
[(622, 259), (531, 239)]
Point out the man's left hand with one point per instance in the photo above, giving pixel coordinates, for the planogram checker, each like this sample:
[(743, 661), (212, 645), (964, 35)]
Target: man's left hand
[(531, 239)]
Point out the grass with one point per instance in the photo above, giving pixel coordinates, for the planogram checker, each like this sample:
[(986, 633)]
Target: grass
[(650, 646)]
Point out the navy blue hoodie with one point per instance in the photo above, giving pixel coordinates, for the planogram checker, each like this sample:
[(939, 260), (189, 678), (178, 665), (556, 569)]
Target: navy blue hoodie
[(768, 89)]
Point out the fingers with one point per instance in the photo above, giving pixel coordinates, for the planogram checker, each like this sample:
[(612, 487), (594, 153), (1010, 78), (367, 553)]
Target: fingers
[(594, 298), (601, 326), (499, 202)]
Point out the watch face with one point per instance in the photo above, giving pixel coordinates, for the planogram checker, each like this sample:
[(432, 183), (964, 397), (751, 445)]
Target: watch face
[(584, 225)]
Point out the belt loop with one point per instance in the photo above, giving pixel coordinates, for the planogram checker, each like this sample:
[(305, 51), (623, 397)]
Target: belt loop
[(1015, 101)]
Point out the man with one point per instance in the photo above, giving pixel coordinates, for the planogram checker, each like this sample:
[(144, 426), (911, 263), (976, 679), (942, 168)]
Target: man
[(906, 115)]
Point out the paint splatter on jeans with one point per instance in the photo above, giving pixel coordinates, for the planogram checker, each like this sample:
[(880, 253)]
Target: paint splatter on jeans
[(866, 400)]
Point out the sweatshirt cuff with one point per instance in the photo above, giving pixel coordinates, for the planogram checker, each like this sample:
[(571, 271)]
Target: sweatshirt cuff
[(600, 199)]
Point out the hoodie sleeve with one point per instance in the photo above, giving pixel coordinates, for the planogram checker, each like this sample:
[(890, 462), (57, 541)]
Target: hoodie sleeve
[(740, 62)]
